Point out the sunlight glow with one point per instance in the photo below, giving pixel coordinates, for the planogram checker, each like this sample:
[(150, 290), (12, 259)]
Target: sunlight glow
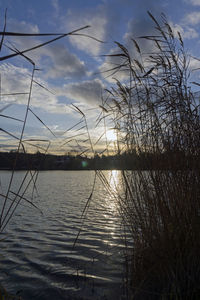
[(111, 135)]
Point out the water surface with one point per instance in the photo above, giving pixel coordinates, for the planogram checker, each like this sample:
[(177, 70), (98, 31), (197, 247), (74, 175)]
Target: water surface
[(37, 257)]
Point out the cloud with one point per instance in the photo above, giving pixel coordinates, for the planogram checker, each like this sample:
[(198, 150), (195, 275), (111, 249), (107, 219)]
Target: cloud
[(14, 80), (97, 19), (56, 7), (64, 64), (88, 92), (135, 29), (106, 22), (107, 69), (194, 65), (17, 80), (22, 43), (21, 26), (138, 28), (193, 2), (192, 18), (60, 62), (186, 32)]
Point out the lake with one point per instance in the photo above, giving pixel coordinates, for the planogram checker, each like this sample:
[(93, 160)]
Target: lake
[(37, 257)]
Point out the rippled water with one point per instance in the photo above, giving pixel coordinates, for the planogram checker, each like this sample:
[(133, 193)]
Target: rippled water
[(37, 256)]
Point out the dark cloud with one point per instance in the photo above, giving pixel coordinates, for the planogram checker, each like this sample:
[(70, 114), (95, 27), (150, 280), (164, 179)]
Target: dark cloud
[(88, 92), (64, 64), (137, 29), (142, 24)]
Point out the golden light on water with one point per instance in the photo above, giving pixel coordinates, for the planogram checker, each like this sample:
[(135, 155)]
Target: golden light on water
[(111, 205), (114, 182), (114, 179)]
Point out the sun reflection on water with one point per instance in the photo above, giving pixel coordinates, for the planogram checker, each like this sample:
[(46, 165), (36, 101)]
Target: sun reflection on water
[(114, 178), (111, 204), (114, 187)]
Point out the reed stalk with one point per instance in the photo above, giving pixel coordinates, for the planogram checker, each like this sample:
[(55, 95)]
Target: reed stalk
[(157, 117)]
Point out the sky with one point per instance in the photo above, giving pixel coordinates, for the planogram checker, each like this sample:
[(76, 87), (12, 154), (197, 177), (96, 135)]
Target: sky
[(72, 68)]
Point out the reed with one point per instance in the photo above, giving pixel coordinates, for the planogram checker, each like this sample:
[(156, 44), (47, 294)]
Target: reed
[(156, 115)]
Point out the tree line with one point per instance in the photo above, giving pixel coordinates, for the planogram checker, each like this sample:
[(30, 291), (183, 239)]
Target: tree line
[(131, 160)]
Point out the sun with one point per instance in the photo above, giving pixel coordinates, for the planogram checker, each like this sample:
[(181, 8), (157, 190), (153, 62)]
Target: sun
[(111, 135)]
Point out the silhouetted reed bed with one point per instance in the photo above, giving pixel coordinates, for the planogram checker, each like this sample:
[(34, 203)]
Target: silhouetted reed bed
[(155, 112)]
